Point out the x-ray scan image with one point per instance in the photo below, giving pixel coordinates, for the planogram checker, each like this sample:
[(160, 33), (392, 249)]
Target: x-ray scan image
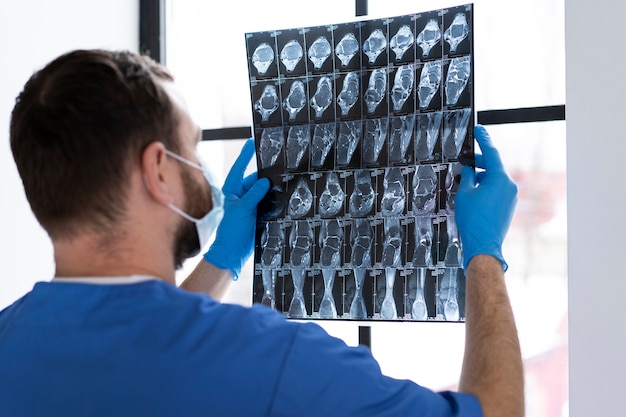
[(400, 135), (347, 48), (402, 86), (457, 31), (270, 146), (319, 51), (374, 140), (393, 193), (322, 143), (374, 45), (429, 83), (268, 103), (272, 243), (262, 57), (301, 199), (348, 139), (295, 100), (402, 41), (331, 200), (298, 138), (376, 89), (363, 128), (349, 94), (323, 96), (429, 37), (362, 197)]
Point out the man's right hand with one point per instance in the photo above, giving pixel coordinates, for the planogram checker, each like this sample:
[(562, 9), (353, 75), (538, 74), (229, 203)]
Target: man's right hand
[(492, 364), (484, 203)]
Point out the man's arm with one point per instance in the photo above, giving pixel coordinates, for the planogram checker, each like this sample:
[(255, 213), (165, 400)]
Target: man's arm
[(492, 364), (234, 238), (208, 279)]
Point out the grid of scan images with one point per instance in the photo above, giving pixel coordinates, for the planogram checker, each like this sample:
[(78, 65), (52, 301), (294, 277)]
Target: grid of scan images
[(361, 128)]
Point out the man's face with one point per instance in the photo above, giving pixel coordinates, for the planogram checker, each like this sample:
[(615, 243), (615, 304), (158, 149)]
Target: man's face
[(197, 191), (197, 205)]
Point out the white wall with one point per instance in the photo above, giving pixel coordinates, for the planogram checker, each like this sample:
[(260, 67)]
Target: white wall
[(596, 126), (33, 32)]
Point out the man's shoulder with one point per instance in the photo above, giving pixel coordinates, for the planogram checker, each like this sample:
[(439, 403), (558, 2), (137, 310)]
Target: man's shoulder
[(50, 303), (229, 322), (205, 306)]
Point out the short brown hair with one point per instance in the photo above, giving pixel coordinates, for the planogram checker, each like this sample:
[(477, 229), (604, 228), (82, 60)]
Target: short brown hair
[(78, 127)]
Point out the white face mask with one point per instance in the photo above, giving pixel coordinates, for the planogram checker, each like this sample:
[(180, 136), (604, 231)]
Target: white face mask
[(206, 225)]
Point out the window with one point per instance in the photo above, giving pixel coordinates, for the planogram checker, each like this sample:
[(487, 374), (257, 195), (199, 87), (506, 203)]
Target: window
[(520, 63)]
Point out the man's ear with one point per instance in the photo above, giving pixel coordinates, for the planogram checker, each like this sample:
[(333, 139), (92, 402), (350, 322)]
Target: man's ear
[(158, 172)]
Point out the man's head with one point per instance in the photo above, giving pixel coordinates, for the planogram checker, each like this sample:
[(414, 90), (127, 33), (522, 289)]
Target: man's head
[(79, 128)]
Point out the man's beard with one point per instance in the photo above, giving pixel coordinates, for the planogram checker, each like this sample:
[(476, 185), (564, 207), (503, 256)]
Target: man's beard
[(197, 205)]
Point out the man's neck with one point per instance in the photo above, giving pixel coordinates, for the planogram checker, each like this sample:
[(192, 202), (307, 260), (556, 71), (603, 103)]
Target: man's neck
[(87, 256)]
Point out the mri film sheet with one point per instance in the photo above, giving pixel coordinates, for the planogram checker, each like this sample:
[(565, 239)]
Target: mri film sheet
[(361, 128)]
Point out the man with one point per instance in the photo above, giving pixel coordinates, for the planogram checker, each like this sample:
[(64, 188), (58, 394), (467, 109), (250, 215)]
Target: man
[(106, 150)]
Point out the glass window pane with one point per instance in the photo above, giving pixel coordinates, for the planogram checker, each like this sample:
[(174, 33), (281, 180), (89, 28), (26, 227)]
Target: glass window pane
[(536, 250)]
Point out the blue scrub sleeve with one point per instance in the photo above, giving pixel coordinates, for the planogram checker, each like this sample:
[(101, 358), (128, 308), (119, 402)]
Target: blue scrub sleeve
[(323, 376)]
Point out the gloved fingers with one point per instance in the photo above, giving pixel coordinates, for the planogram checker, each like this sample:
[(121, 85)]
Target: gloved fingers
[(249, 181), (468, 179), (239, 190), (490, 158), (256, 193), (479, 161), (233, 180)]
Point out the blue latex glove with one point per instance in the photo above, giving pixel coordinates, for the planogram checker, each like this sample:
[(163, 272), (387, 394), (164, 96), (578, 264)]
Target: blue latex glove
[(234, 239), (484, 203)]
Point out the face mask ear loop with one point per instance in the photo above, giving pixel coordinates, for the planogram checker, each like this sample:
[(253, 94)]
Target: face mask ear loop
[(183, 214), (183, 160)]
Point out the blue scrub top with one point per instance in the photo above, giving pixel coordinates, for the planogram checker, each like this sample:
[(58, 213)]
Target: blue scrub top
[(151, 349)]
